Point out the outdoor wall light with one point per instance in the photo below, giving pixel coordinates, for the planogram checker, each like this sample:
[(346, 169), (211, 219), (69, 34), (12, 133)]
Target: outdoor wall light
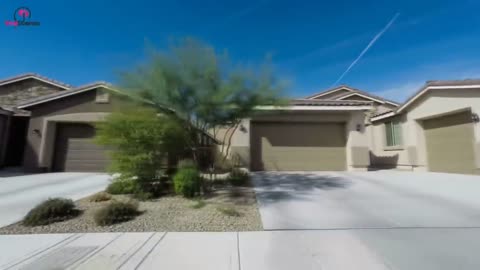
[(37, 132), (475, 118), (359, 127)]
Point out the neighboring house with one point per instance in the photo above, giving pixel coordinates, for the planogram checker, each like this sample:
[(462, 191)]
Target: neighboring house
[(13, 125), (46, 125), (61, 129), (435, 130), (309, 135)]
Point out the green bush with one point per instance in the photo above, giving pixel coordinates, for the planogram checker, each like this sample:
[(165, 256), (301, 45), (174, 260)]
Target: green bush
[(116, 212), (50, 211), (122, 186), (238, 177), (141, 140), (100, 197), (187, 182), (186, 163)]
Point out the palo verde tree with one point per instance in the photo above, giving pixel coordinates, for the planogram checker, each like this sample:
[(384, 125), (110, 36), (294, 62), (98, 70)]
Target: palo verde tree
[(202, 87)]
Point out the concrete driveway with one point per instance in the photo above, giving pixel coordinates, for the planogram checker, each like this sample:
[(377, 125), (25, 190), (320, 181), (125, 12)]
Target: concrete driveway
[(18, 194), (410, 220)]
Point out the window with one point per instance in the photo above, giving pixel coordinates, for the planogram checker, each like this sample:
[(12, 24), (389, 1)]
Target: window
[(393, 132)]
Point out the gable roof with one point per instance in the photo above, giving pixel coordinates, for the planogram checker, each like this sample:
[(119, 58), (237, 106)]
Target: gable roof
[(351, 92), (35, 76), (428, 87), (62, 94), (78, 90), (440, 84)]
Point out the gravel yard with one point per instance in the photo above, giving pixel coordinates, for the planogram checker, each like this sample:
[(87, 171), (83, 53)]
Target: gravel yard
[(168, 213)]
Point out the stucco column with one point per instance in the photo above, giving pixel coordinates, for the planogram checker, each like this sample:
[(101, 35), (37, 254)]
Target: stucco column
[(357, 142)]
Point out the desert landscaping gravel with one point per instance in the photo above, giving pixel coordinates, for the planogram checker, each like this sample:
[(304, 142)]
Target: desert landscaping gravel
[(168, 213)]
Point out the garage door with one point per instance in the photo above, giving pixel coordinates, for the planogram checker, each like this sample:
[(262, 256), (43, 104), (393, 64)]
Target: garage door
[(449, 141), (298, 146), (75, 150)]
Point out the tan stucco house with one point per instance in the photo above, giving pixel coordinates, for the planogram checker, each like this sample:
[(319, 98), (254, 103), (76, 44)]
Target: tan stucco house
[(46, 125), (434, 130), (325, 131)]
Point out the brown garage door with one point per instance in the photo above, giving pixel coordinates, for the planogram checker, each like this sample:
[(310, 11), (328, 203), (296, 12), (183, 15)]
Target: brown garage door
[(75, 150), (449, 141), (298, 146)]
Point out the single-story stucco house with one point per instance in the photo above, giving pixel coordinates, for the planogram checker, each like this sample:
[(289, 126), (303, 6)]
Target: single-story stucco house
[(434, 130), (349, 129), (46, 125), (49, 125), (322, 132)]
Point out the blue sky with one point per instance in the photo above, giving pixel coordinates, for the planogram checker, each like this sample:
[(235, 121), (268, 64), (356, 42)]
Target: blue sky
[(312, 42)]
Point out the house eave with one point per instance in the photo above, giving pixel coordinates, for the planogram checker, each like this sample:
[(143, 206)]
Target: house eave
[(313, 108), (428, 88), (7, 82)]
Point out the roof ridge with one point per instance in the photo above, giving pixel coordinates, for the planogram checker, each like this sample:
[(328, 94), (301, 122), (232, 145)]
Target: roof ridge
[(67, 92), (353, 90), (35, 75)]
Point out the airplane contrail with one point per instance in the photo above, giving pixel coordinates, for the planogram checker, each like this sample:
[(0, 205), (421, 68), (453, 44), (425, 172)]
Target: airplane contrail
[(377, 36)]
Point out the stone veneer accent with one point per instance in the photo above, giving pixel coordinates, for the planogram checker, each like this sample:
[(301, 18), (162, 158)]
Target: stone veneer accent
[(19, 92)]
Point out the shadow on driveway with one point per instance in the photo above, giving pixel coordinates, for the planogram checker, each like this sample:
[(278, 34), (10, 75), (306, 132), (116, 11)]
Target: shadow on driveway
[(273, 187), (12, 171)]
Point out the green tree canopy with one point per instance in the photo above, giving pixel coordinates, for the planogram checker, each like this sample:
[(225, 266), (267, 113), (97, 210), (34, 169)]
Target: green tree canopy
[(201, 86)]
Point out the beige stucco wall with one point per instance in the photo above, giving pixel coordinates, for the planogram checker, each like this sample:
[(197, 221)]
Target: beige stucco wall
[(435, 103), (357, 141), (76, 108)]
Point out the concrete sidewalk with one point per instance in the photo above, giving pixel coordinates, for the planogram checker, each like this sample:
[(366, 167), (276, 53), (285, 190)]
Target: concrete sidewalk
[(279, 250)]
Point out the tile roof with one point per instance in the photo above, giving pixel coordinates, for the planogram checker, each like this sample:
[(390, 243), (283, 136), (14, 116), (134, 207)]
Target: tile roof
[(63, 93), (352, 90), (382, 113), (35, 76), (452, 82), (326, 102)]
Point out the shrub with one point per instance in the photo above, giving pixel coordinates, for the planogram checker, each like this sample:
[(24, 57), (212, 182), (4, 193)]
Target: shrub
[(122, 186), (229, 211), (141, 141), (187, 182), (100, 197), (238, 177), (116, 212), (50, 211), (186, 163)]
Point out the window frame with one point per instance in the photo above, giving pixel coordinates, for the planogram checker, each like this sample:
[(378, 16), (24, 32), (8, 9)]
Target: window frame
[(393, 134)]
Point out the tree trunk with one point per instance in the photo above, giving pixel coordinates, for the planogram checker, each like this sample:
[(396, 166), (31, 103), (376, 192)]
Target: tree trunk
[(230, 140)]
